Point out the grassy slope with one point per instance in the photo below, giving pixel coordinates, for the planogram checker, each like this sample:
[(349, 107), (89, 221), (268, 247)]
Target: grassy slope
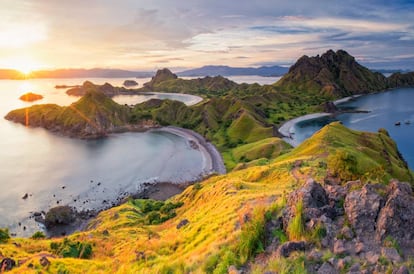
[(262, 151), (94, 111), (216, 210)]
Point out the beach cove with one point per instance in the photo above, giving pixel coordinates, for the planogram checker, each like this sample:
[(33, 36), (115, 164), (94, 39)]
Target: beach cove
[(384, 110)]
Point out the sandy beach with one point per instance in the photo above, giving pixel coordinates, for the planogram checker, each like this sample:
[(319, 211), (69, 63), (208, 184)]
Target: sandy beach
[(288, 128), (212, 160)]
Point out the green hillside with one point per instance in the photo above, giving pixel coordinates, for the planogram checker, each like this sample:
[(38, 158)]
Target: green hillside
[(92, 116), (222, 219)]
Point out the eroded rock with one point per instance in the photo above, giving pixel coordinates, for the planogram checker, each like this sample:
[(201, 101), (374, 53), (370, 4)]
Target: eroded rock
[(362, 208), (396, 218)]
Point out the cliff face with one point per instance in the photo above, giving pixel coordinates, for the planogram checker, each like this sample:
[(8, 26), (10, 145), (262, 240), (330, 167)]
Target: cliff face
[(93, 116), (334, 74)]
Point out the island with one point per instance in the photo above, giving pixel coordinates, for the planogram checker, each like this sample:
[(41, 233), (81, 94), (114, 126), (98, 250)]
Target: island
[(340, 201), (130, 83), (30, 97)]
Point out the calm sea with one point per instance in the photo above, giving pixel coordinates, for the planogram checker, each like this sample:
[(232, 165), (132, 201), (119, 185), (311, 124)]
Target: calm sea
[(56, 170), (385, 109)]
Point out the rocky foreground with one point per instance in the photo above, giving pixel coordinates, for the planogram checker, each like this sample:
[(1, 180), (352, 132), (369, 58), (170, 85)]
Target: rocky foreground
[(367, 229)]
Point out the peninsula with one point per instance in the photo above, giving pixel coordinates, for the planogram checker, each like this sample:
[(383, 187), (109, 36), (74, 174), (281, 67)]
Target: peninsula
[(341, 201)]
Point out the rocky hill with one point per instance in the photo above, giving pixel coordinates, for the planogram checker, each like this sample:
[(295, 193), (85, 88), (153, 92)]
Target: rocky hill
[(106, 89), (300, 213), (93, 116), (334, 74), (166, 81), (401, 80)]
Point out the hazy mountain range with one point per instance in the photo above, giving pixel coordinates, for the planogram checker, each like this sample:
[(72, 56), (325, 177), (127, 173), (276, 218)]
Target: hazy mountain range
[(265, 71), (232, 71), (119, 73)]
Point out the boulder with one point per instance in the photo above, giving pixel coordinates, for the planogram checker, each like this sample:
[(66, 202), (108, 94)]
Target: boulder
[(362, 208), (44, 261), (396, 218), (391, 254), (329, 107), (287, 248), (339, 248), (60, 215), (182, 223), (327, 268), (402, 270), (372, 257), (7, 264), (313, 197)]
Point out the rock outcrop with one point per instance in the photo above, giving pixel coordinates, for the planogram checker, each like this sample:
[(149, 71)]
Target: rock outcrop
[(373, 223), (362, 208), (396, 218), (313, 198)]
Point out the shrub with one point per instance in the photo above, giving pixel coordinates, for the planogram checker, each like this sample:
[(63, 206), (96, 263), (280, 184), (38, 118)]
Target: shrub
[(252, 237), (71, 249), (344, 165), (296, 227), (280, 235), (4, 235), (38, 235), (153, 218)]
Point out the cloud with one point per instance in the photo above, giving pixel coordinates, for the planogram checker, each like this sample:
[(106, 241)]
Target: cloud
[(145, 33)]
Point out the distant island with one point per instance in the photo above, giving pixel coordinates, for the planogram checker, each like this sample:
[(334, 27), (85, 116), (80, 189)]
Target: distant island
[(265, 71), (30, 97), (341, 201), (130, 83), (232, 115)]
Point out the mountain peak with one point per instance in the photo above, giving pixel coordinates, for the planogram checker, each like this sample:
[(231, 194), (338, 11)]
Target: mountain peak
[(161, 76), (333, 74)]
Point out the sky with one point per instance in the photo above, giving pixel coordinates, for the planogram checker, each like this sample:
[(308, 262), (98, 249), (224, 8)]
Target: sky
[(153, 34)]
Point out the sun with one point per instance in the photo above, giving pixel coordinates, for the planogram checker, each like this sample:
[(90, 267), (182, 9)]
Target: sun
[(24, 65), (25, 69)]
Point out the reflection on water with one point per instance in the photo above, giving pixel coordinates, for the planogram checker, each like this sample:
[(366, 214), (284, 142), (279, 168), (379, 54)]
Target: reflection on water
[(56, 170)]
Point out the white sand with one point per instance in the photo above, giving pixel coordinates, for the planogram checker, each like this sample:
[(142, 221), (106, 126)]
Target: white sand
[(212, 160), (288, 128), (346, 99)]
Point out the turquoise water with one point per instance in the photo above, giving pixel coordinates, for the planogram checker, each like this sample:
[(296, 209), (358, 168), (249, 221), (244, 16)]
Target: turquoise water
[(385, 109)]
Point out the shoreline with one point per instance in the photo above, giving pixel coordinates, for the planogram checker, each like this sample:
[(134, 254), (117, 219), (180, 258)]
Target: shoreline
[(212, 163), (212, 160), (287, 128)]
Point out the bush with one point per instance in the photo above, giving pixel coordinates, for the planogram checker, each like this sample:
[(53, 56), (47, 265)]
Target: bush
[(38, 235), (4, 235), (252, 237), (71, 249), (296, 227), (344, 165)]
